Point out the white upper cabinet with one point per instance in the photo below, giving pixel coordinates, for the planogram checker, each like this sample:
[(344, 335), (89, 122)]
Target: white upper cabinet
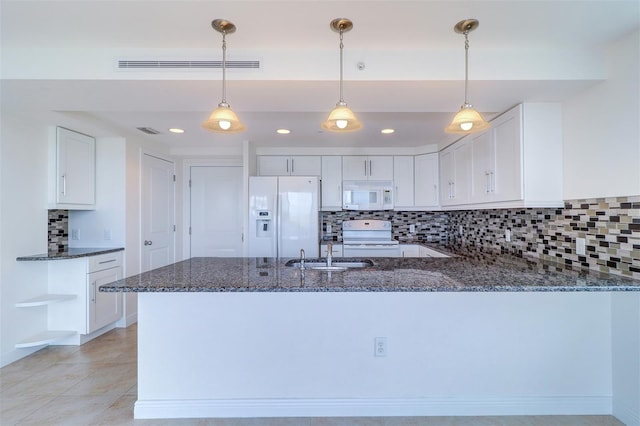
[(372, 167), (331, 183), (516, 163), (403, 181), (426, 180), (455, 173), (497, 160), (284, 165), (72, 171)]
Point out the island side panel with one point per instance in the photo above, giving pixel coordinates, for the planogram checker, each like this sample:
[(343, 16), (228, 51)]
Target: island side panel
[(312, 354)]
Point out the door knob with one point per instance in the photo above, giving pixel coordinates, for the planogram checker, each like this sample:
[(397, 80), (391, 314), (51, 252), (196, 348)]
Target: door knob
[(147, 243)]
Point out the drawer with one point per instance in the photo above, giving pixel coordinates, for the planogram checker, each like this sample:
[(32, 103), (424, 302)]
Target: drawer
[(105, 261)]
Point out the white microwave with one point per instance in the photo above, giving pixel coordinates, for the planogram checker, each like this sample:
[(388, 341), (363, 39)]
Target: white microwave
[(367, 195)]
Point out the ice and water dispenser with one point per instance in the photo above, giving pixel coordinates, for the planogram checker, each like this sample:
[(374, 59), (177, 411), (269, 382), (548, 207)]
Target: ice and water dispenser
[(264, 224)]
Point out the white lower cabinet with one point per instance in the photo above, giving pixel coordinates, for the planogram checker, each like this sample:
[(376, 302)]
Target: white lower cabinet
[(336, 250), (91, 310), (409, 250), (417, 250)]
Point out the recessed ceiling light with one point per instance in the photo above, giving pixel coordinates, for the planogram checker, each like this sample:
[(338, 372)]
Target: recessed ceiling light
[(283, 131), (387, 131), (176, 130)]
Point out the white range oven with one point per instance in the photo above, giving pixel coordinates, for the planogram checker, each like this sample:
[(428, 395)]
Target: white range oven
[(368, 238)]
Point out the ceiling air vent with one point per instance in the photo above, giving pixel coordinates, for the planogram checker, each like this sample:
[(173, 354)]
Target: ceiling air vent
[(156, 64), (148, 130)]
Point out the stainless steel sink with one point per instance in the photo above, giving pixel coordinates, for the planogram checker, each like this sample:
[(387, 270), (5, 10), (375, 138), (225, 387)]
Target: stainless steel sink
[(336, 265)]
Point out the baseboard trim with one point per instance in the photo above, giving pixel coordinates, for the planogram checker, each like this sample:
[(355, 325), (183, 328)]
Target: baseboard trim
[(626, 414), (364, 407)]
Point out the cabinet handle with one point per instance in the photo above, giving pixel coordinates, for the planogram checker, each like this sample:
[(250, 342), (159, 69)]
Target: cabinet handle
[(93, 299), (370, 168), (292, 166), (365, 167), (64, 184), (453, 190), (106, 261), (287, 165), (147, 243), (487, 182)]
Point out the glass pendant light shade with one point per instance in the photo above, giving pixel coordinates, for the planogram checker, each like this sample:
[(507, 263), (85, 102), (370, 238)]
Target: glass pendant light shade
[(223, 120), (341, 119), (467, 120)]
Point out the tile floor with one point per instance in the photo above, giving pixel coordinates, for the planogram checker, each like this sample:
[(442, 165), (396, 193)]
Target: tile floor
[(95, 384)]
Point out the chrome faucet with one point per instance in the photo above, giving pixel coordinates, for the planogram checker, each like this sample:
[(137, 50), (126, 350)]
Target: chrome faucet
[(302, 258), (329, 251)]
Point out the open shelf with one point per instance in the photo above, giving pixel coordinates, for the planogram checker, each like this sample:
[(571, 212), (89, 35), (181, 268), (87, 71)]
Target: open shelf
[(45, 338), (45, 299)]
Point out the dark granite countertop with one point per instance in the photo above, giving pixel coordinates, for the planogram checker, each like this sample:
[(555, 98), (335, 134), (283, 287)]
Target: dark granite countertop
[(72, 253), (500, 273)]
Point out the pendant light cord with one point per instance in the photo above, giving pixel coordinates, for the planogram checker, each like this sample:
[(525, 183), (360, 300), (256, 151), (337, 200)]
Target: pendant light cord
[(224, 67), (341, 47), (466, 68)]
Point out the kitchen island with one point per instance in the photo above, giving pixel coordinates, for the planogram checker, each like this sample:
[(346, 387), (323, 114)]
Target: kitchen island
[(252, 337)]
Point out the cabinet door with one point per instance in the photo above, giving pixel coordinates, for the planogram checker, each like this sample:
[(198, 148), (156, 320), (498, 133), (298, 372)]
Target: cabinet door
[(305, 165), (447, 176), (354, 167), (483, 166), (75, 168), (103, 308), (409, 250), (331, 183), (274, 165), (336, 250), (403, 181), (462, 171), (508, 176), (380, 167), (426, 180)]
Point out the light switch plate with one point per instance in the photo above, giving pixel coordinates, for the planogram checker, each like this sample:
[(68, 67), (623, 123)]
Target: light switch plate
[(580, 246)]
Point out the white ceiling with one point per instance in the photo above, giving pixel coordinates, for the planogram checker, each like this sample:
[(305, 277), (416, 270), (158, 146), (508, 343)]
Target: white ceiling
[(413, 77)]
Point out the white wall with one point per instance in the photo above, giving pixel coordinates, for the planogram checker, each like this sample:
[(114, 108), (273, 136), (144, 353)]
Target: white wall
[(601, 129), (308, 354), (23, 231), (109, 214)]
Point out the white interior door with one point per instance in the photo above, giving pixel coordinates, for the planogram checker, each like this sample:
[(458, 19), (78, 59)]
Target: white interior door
[(216, 211), (158, 212)]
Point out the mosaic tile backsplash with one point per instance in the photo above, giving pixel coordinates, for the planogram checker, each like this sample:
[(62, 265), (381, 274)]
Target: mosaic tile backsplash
[(58, 231), (610, 228)]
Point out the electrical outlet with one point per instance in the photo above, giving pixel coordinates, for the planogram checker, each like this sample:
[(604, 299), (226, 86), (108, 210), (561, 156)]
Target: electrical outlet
[(328, 228), (580, 246), (107, 234), (460, 229), (75, 234), (507, 235), (412, 228), (380, 347)]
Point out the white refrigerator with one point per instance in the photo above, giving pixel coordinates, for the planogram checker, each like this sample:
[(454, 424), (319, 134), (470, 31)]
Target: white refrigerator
[(283, 216)]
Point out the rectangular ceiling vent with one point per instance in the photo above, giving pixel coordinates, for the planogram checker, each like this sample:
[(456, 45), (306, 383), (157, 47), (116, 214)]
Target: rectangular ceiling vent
[(148, 130), (162, 64)]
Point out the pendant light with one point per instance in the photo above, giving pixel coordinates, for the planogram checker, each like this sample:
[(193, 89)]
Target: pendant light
[(341, 118), (467, 120), (223, 119)]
